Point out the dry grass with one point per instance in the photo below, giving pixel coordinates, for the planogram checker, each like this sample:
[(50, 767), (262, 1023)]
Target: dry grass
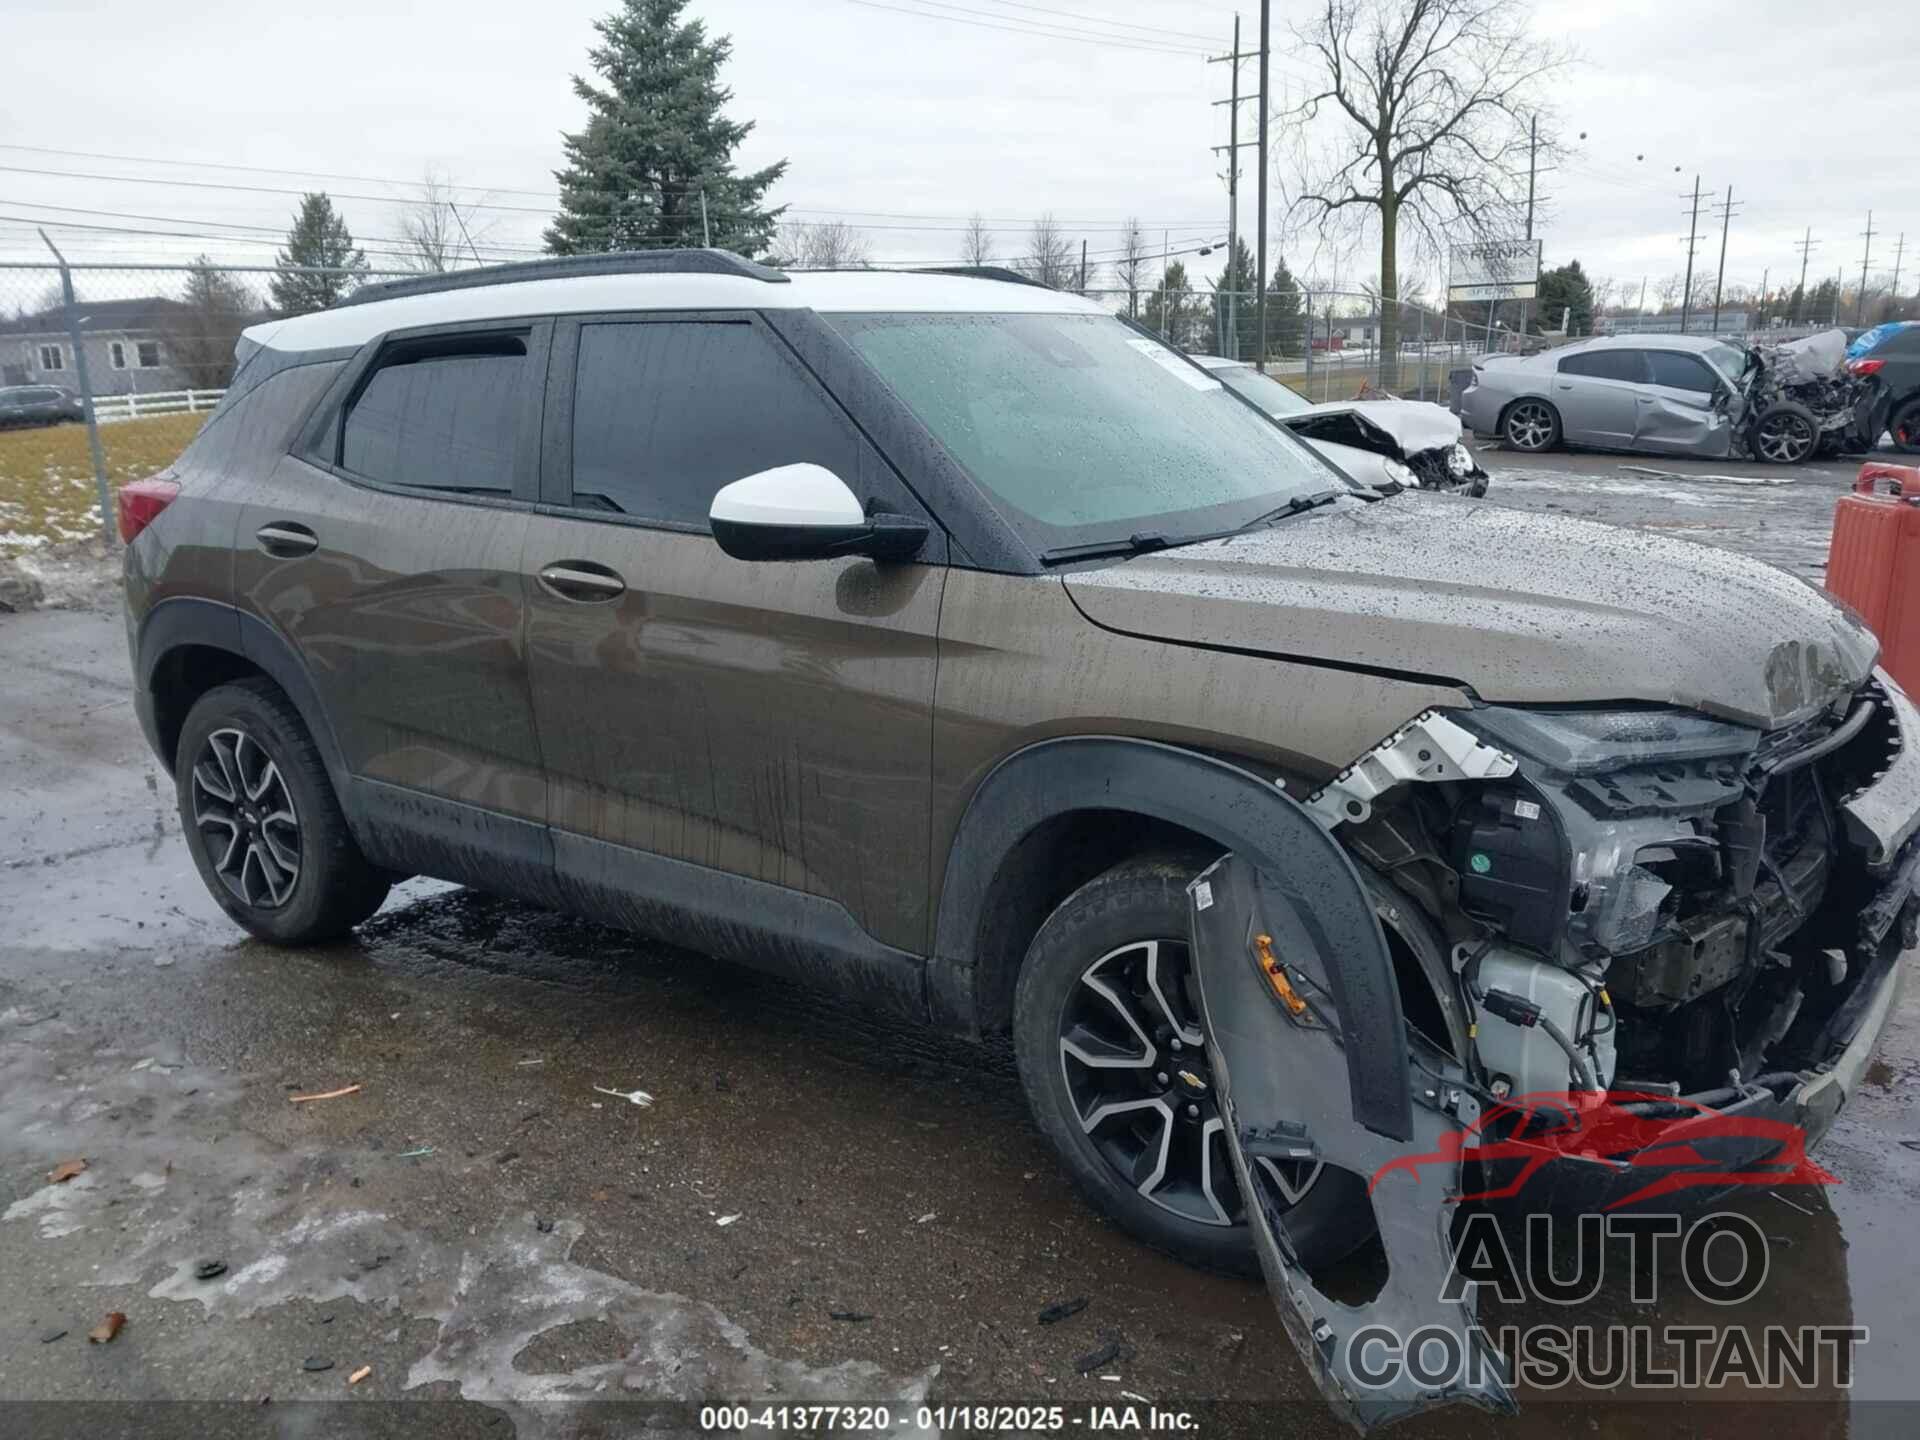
[(46, 475)]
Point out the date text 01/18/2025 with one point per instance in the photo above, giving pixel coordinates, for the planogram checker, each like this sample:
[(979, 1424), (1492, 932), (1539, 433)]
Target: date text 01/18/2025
[(1142, 1418)]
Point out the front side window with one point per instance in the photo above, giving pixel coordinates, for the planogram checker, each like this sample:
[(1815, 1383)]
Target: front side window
[(666, 412), (441, 415), (52, 357), (1681, 372), (149, 351), (1084, 431), (118, 354)]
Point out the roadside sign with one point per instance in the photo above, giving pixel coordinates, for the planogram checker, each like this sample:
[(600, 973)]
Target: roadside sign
[(1494, 270)]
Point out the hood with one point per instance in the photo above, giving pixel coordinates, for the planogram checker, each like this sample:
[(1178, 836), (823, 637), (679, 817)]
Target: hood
[(1521, 608), (1414, 425)]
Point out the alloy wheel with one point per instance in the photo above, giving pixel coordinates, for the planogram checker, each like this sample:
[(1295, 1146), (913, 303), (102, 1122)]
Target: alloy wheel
[(246, 819), (1784, 439), (1529, 426), (1135, 1061)]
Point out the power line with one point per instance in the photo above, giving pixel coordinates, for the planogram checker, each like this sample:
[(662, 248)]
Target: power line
[(1100, 20), (1084, 39)]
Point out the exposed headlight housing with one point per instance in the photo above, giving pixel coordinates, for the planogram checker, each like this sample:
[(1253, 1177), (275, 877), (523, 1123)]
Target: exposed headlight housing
[(1460, 461), (1602, 795), (1398, 473), (1592, 742)]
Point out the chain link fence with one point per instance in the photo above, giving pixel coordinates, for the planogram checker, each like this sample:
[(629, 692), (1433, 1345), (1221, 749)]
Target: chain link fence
[(108, 371), (1325, 344)]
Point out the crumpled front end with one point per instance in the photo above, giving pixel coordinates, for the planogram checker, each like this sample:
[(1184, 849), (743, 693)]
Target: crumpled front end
[(1675, 938)]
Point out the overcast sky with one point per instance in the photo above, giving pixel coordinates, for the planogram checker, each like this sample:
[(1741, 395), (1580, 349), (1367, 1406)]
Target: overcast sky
[(903, 124)]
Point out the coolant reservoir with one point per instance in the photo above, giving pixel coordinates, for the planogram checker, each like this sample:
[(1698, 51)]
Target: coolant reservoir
[(1527, 1055)]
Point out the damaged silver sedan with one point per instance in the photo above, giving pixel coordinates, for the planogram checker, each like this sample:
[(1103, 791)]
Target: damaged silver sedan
[(1692, 395)]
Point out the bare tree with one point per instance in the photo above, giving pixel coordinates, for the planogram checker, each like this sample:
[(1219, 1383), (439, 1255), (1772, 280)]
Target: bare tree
[(1418, 123), (204, 329), (1051, 258), (824, 245), (438, 230), (1133, 256), (1666, 293), (976, 243)]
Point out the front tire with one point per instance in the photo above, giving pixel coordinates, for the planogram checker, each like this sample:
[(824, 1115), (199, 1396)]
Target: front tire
[(1904, 428), (263, 823), (1113, 1060), (1786, 435), (1530, 426)]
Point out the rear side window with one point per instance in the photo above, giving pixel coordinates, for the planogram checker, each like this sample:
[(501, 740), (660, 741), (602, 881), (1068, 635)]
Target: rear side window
[(1627, 365), (1680, 372), (666, 412), (441, 415)]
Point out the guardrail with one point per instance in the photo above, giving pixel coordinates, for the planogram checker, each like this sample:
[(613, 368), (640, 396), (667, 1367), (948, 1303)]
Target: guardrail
[(110, 408)]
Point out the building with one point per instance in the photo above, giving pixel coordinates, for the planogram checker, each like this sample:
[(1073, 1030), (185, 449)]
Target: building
[(129, 349)]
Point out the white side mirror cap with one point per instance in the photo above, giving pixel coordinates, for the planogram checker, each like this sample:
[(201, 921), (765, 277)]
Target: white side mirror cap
[(803, 496)]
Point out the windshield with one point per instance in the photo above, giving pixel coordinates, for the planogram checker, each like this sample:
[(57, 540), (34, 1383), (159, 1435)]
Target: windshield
[(1729, 359), (1083, 430), (1263, 390)]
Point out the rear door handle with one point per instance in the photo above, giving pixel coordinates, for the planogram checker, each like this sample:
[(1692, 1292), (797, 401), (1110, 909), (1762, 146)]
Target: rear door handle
[(284, 539), (582, 581)]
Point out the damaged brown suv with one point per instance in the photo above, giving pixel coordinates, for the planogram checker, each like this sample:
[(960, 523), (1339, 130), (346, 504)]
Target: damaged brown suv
[(926, 635)]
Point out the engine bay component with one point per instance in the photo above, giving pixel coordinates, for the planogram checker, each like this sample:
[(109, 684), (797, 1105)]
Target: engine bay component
[(1516, 1047), (1430, 747), (1511, 856)]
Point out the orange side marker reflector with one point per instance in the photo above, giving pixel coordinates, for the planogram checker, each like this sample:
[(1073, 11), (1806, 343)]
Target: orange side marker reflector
[(1277, 977)]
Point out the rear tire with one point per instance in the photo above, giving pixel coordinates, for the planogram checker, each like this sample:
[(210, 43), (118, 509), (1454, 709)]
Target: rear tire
[(1101, 932), (1530, 426), (262, 821)]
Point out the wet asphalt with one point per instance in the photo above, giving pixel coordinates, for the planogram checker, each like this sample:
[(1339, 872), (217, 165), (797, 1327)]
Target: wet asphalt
[(817, 1204)]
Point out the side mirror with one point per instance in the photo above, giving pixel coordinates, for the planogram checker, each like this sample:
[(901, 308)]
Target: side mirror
[(805, 512)]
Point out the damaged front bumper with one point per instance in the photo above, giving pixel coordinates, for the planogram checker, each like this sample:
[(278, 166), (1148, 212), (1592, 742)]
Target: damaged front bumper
[(1313, 1060)]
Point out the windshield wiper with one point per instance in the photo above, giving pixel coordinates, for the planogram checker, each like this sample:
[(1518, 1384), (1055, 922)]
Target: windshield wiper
[(1293, 507), (1136, 544)]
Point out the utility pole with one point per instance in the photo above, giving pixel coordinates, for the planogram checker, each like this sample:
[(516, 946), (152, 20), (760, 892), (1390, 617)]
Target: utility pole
[(1533, 151), (706, 234), (1899, 250), (1805, 248), (1765, 275), (1693, 238), (1860, 302), (1233, 148), (1720, 279), (1083, 266), (1260, 263)]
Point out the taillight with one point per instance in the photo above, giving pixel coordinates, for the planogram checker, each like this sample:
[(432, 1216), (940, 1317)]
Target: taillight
[(1865, 367), (140, 502)]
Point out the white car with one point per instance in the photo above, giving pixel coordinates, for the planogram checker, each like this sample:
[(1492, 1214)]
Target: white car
[(1401, 444)]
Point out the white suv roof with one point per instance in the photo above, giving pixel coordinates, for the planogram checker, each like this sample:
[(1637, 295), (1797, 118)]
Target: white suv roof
[(836, 291)]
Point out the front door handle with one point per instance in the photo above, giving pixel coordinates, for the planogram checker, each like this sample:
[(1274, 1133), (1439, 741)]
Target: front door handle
[(582, 581), (283, 539)]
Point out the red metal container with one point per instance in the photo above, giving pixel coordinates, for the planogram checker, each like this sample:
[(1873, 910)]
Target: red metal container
[(1873, 562)]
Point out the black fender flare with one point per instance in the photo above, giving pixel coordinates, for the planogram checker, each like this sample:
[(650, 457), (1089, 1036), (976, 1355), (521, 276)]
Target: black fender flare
[(1231, 806), (189, 621)]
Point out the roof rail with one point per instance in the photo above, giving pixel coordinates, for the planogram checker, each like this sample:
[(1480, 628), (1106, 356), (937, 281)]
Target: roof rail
[(615, 262), (982, 272)]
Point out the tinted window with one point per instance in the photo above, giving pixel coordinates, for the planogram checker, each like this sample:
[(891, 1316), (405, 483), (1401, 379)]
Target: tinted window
[(1680, 372), (1606, 365), (664, 414), (442, 416)]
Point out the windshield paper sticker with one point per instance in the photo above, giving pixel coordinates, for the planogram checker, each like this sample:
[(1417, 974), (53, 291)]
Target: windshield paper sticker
[(1191, 375)]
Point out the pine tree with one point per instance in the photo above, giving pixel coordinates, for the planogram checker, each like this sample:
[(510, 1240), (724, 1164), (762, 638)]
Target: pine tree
[(202, 333), (319, 239), (1566, 288), (1236, 281), (1284, 309), (656, 142)]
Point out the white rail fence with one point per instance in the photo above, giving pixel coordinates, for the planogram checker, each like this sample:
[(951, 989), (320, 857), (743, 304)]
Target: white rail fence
[(110, 408)]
